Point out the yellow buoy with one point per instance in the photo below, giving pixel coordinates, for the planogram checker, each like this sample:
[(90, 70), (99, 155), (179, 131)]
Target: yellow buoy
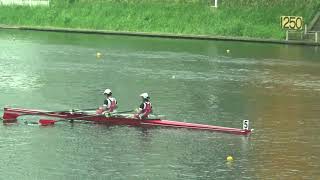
[(98, 55), (229, 158)]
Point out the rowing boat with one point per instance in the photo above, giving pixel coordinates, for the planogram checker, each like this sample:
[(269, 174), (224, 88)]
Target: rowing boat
[(10, 115)]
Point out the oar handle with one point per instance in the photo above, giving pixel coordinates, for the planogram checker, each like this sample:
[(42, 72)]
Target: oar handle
[(87, 116), (70, 110), (121, 112), (79, 110)]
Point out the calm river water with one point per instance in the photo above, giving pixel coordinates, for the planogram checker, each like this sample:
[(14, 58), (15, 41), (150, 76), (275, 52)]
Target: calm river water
[(276, 87)]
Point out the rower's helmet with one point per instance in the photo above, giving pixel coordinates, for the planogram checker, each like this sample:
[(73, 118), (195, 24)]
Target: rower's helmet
[(145, 95), (107, 91)]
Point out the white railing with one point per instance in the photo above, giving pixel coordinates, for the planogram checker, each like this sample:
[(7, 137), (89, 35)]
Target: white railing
[(313, 36), (25, 2), (304, 35)]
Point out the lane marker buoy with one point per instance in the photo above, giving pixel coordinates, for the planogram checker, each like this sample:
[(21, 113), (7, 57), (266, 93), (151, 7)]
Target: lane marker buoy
[(98, 54), (229, 158)]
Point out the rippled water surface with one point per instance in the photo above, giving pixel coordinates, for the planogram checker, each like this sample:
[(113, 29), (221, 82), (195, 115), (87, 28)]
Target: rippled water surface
[(276, 87)]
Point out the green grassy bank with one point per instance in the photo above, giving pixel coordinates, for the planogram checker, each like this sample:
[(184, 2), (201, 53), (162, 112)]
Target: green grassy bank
[(245, 18)]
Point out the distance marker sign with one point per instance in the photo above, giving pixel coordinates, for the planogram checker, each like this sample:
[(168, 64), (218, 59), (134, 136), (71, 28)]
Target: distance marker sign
[(291, 22)]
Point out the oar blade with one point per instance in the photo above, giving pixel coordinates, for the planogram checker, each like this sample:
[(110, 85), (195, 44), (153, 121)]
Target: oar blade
[(46, 122)]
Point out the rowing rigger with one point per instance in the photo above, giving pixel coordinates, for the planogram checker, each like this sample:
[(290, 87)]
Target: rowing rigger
[(10, 115)]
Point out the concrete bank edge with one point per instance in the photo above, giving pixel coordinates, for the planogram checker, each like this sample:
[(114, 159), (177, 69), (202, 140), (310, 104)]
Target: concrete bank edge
[(159, 35)]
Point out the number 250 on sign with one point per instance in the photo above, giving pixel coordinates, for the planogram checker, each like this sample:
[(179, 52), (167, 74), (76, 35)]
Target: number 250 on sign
[(291, 22)]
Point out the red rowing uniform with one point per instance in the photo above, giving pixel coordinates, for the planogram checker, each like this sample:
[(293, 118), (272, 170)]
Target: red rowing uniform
[(110, 104), (146, 110)]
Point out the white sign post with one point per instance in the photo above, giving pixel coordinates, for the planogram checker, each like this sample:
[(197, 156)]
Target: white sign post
[(215, 4)]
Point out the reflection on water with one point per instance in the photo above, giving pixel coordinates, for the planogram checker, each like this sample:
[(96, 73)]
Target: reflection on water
[(276, 87)]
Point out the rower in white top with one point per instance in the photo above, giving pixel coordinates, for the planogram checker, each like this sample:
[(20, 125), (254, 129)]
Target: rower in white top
[(145, 108), (109, 105)]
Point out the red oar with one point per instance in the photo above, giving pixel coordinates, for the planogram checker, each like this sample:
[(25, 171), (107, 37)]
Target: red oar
[(53, 112), (45, 122)]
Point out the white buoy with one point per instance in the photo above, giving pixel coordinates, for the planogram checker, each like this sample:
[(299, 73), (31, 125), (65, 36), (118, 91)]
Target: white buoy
[(98, 54), (228, 50)]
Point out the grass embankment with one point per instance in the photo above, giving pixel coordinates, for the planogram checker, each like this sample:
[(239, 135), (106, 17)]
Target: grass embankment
[(245, 18)]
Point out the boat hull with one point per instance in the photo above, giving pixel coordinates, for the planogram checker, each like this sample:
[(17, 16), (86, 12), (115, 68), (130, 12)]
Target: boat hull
[(10, 115)]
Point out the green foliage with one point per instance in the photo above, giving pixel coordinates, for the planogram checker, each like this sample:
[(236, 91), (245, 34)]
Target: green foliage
[(245, 18)]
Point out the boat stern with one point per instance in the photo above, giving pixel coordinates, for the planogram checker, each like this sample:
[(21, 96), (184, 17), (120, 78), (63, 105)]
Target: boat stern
[(245, 127)]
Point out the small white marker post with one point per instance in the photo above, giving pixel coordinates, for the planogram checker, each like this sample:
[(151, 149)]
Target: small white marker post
[(215, 4), (305, 29)]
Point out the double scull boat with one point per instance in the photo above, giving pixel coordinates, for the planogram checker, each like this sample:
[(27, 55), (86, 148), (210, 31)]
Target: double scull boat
[(10, 115)]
